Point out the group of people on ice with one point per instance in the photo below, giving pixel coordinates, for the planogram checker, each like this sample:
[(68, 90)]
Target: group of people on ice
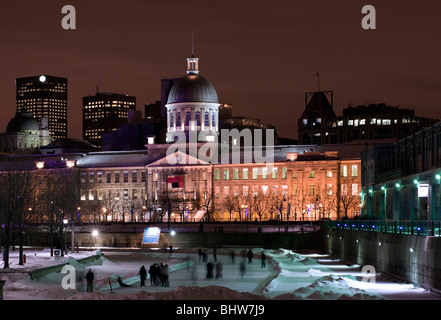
[(159, 275)]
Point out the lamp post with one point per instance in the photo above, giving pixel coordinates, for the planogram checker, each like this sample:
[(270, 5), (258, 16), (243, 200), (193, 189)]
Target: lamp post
[(64, 225)]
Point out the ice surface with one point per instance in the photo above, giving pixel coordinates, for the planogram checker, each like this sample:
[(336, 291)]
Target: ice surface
[(287, 275)]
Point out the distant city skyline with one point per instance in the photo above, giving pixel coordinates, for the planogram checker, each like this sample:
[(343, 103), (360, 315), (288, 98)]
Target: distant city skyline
[(261, 58)]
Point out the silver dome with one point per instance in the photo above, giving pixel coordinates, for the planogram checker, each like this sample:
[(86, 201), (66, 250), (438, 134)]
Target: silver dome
[(192, 88)]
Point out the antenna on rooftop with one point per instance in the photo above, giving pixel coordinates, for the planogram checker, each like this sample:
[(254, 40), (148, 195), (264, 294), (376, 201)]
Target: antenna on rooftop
[(318, 81), (192, 41)]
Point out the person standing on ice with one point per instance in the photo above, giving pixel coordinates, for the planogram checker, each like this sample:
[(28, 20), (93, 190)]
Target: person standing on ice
[(89, 278), (250, 256), (218, 270), (242, 268), (263, 259), (165, 275), (142, 275), (152, 274)]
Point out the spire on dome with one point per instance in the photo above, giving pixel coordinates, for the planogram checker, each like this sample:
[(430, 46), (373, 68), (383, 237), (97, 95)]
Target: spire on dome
[(192, 63)]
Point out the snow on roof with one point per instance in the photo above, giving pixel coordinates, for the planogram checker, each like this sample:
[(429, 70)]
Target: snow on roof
[(114, 159)]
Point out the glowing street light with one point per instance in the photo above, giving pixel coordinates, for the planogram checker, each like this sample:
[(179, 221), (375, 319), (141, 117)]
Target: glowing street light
[(95, 233)]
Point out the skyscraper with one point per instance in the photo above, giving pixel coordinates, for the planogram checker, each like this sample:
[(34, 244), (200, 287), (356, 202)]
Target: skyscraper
[(105, 112), (44, 95)]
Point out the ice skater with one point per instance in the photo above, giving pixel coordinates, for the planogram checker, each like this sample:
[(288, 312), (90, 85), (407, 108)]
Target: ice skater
[(250, 256), (89, 278), (142, 275), (263, 259)]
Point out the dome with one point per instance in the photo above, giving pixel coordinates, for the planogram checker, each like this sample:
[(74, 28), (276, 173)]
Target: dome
[(23, 122), (192, 88)]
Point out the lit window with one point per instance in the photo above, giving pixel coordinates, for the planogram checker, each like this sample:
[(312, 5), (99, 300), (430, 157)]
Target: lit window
[(245, 174), (354, 170), (312, 174), (216, 174), (329, 189), (235, 174), (344, 171), (255, 173), (264, 173), (354, 189), (226, 174), (274, 173), (344, 189)]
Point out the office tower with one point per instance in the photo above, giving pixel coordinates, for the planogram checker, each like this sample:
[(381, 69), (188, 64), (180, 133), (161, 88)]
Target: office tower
[(44, 96), (105, 112)]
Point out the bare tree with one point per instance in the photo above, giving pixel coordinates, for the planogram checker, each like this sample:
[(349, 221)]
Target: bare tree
[(229, 204), (261, 203), (250, 202), (239, 200), (349, 199), (16, 196)]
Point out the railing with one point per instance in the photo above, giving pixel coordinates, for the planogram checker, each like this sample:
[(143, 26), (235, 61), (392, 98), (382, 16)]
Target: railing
[(417, 227)]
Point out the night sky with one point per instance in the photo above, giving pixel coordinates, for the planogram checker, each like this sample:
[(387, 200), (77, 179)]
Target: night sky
[(261, 56)]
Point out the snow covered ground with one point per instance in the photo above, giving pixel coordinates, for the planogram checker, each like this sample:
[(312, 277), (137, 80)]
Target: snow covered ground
[(287, 276)]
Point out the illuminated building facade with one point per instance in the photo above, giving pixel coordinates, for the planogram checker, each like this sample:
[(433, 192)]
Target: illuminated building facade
[(192, 106), (44, 96), (105, 112), (300, 185)]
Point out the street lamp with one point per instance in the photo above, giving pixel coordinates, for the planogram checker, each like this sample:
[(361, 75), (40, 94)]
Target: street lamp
[(64, 225)]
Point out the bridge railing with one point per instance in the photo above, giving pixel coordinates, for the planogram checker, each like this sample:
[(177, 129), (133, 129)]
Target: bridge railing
[(416, 227)]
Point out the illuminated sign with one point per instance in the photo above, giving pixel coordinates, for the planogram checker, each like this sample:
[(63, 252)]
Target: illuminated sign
[(151, 235), (423, 190)]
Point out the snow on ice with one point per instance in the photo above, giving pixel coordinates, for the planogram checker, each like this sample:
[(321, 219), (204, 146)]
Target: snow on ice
[(287, 275)]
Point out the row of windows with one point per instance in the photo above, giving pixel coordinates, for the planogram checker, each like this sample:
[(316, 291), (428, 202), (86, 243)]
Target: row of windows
[(115, 194), (360, 122), (329, 190), (274, 173), (311, 190), (255, 173), (100, 177), (254, 189)]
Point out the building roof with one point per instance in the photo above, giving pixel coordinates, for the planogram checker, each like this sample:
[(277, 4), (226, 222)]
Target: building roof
[(192, 88), (318, 106), (23, 121), (114, 159)]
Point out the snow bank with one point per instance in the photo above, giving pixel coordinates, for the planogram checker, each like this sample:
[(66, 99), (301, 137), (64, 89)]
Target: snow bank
[(181, 293)]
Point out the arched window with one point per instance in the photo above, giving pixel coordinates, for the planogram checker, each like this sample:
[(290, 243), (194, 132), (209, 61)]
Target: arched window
[(178, 121), (198, 119), (187, 118)]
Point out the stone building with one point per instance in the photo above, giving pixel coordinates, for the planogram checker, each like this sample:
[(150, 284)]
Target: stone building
[(24, 134)]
